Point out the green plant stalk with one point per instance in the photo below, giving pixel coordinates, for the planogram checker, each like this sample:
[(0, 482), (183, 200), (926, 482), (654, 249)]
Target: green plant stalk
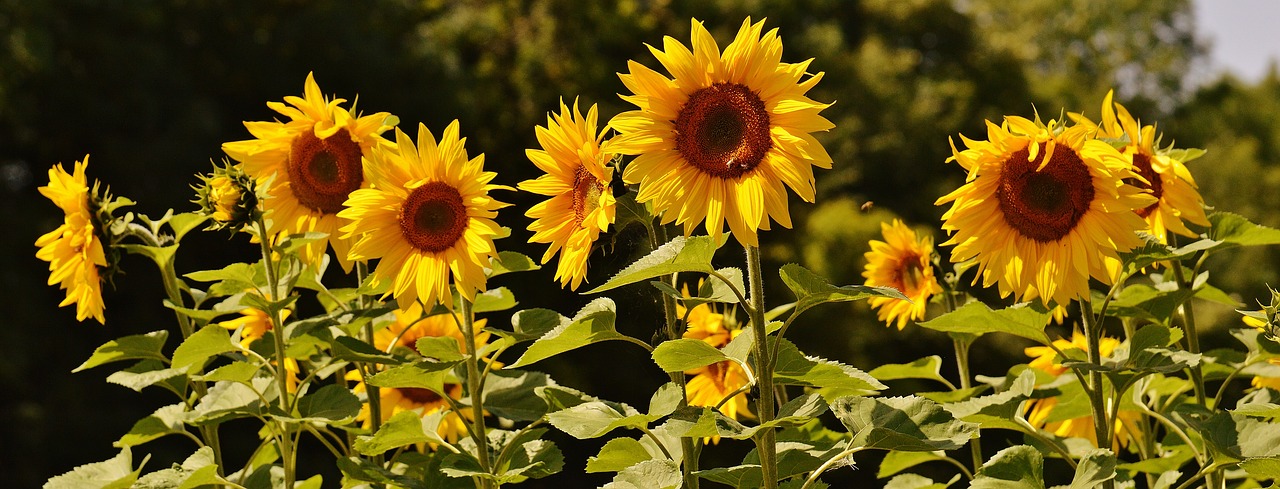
[(962, 365), (1213, 478), (689, 456), (1101, 427), (473, 390), (282, 381), (373, 392), (169, 277), (766, 439)]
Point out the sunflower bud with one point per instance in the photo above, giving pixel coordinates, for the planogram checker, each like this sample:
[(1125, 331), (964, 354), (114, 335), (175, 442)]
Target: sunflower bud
[(1266, 320), (227, 196)]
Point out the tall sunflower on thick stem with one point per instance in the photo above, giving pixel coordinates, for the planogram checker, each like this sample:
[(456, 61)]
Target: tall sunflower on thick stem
[(312, 164)]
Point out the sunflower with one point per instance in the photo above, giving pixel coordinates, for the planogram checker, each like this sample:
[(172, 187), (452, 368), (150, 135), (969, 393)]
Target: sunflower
[(255, 323), (718, 140), (714, 382), (74, 250), (1045, 359), (410, 326), (901, 261), (1042, 208), (578, 176), (1165, 177), (313, 162), (1268, 382), (428, 217)]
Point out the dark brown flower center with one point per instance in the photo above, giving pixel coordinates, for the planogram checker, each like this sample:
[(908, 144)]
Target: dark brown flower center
[(723, 130), (586, 194), (433, 217), (323, 172), (1142, 166), (419, 396), (909, 275), (1045, 205)]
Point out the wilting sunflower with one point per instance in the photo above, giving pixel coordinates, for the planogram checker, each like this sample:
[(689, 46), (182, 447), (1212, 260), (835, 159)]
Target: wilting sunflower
[(904, 262), (714, 382), (313, 163), (1166, 178), (718, 140), (1045, 359), (408, 328), (427, 218), (578, 176), (74, 250), (1042, 208)]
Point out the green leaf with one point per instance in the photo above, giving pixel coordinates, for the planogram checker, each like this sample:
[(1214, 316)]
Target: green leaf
[(913, 481), (196, 471), (929, 367), (618, 454), (685, 354), (142, 346), (976, 318), (332, 402), (353, 350), (236, 371), (677, 256), (797, 369), (738, 476), (240, 273), (593, 324), (440, 348), (1235, 437), (510, 394), (650, 474), (531, 324), (1016, 467), (531, 459), (421, 375), (1096, 467), (181, 224), (997, 410), (716, 290), (595, 418), (1151, 252), (1262, 468), (405, 428), (897, 461), (208, 341), (509, 262), (233, 400), (1259, 410), (493, 300), (811, 289), (665, 400), (1231, 230), (148, 373), (165, 421), (364, 470), (161, 255), (116, 473), (901, 423)]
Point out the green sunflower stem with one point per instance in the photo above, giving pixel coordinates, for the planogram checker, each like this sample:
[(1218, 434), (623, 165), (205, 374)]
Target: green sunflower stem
[(766, 439), (473, 391), (287, 455), (962, 366), (1213, 479), (689, 452), (1101, 425), (367, 369)]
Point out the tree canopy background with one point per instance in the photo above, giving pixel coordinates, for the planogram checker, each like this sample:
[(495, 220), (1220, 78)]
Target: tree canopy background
[(151, 89)]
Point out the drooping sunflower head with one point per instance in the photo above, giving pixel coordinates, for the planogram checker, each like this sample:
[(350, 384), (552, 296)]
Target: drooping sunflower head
[(577, 180), (904, 262), (722, 139), (79, 251), (312, 163), (428, 218), (1043, 207), (1163, 172)]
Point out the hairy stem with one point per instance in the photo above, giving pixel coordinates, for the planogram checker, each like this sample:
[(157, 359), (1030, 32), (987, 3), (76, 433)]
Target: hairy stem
[(689, 465), (473, 390), (962, 365), (1093, 330), (282, 373), (766, 439)]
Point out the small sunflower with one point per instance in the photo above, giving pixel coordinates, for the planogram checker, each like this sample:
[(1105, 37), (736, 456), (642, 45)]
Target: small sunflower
[(410, 326), (1043, 208), (427, 218), (75, 249), (255, 324), (1165, 177), (904, 262), (1045, 359), (1268, 382), (578, 176), (718, 141), (313, 163), (714, 382), (228, 196)]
